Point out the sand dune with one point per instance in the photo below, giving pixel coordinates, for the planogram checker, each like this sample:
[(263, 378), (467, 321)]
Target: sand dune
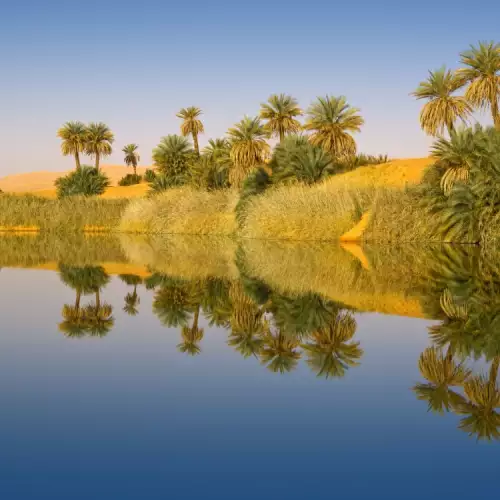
[(44, 181)]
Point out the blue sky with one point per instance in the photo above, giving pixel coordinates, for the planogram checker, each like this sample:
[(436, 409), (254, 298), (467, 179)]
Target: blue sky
[(134, 64)]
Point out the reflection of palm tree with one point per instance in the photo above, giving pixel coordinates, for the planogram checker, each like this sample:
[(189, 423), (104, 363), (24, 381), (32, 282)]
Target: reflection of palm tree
[(246, 322), (482, 397), (99, 317), (331, 353), (279, 352), (84, 280), (172, 302), (132, 300), (191, 336), (442, 373)]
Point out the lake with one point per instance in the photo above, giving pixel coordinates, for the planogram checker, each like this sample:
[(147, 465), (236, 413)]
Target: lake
[(191, 367)]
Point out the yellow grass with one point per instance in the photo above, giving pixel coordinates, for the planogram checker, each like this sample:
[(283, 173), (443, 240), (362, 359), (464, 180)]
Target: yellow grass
[(182, 211)]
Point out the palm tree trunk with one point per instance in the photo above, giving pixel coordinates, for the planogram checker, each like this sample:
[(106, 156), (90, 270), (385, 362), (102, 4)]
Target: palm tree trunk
[(196, 146), (77, 160), (196, 316), (97, 299), (495, 364), (449, 353), (77, 300), (97, 162), (282, 135), (135, 169)]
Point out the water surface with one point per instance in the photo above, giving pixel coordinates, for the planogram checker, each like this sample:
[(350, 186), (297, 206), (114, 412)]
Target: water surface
[(214, 369)]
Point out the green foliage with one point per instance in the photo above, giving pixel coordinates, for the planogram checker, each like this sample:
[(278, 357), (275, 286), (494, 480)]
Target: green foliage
[(130, 180), (256, 183), (281, 111), (209, 173), (132, 157), (149, 175), (86, 181), (296, 160), (98, 141), (73, 136), (172, 157), (162, 182)]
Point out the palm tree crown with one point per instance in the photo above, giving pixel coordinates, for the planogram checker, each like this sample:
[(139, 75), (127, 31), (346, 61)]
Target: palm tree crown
[(332, 120), (191, 124), (99, 139), (132, 157), (443, 108), (73, 135), (248, 147), (280, 112), (482, 74)]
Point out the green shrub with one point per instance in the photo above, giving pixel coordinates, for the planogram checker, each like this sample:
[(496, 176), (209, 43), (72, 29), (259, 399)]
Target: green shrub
[(149, 175), (172, 157), (209, 173), (85, 181), (162, 182), (130, 180)]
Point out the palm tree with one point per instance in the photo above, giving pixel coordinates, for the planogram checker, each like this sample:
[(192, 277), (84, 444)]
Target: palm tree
[(132, 157), (217, 148), (457, 154), (331, 121), (331, 353), (73, 135), (191, 336), (279, 351), (280, 112), (98, 141), (482, 398), (443, 108), (172, 302), (191, 124), (99, 317), (482, 76), (248, 148), (172, 157), (132, 300), (441, 372)]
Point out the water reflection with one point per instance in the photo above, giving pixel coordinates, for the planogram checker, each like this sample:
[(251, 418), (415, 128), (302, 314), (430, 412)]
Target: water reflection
[(287, 305)]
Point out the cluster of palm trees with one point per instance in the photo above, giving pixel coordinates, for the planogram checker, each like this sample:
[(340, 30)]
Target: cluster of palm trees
[(329, 124), (479, 76), (479, 398)]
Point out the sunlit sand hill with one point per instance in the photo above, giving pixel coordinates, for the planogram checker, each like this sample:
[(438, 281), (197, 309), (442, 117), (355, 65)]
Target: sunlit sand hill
[(396, 173), (42, 183)]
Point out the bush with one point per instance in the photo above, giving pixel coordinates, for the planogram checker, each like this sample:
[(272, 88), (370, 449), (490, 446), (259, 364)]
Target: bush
[(130, 180), (162, 182), (296, 160), (208, 173), (85, 181), (149, 175), (172, 157)]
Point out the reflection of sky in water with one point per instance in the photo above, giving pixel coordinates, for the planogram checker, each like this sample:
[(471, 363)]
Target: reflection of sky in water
[(128, 416)]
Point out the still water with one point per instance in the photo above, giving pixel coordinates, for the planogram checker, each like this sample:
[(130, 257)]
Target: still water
[(193, 368)]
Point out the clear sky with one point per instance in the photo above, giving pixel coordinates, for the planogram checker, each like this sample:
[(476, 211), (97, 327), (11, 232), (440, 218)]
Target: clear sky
[(134, 64)]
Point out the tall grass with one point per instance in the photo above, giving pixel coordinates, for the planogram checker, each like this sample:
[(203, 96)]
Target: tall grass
[(305, 212), (183, 210), (62, 216)]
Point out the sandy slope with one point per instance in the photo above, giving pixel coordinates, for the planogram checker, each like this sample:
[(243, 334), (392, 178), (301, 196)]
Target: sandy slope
[(44, 181)]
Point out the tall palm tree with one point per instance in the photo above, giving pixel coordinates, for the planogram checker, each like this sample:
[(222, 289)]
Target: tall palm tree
[(191, 336), (331, 353), (248, 148), (332, 121), (132, 157), (482, 77), (191, 124), (280, 112), (73, 135), (482, 398), (443, 108), (98, 141), (441, 372)]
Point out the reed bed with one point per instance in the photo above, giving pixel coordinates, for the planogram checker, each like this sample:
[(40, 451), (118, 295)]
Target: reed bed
[(183, 210), (67, 215)]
